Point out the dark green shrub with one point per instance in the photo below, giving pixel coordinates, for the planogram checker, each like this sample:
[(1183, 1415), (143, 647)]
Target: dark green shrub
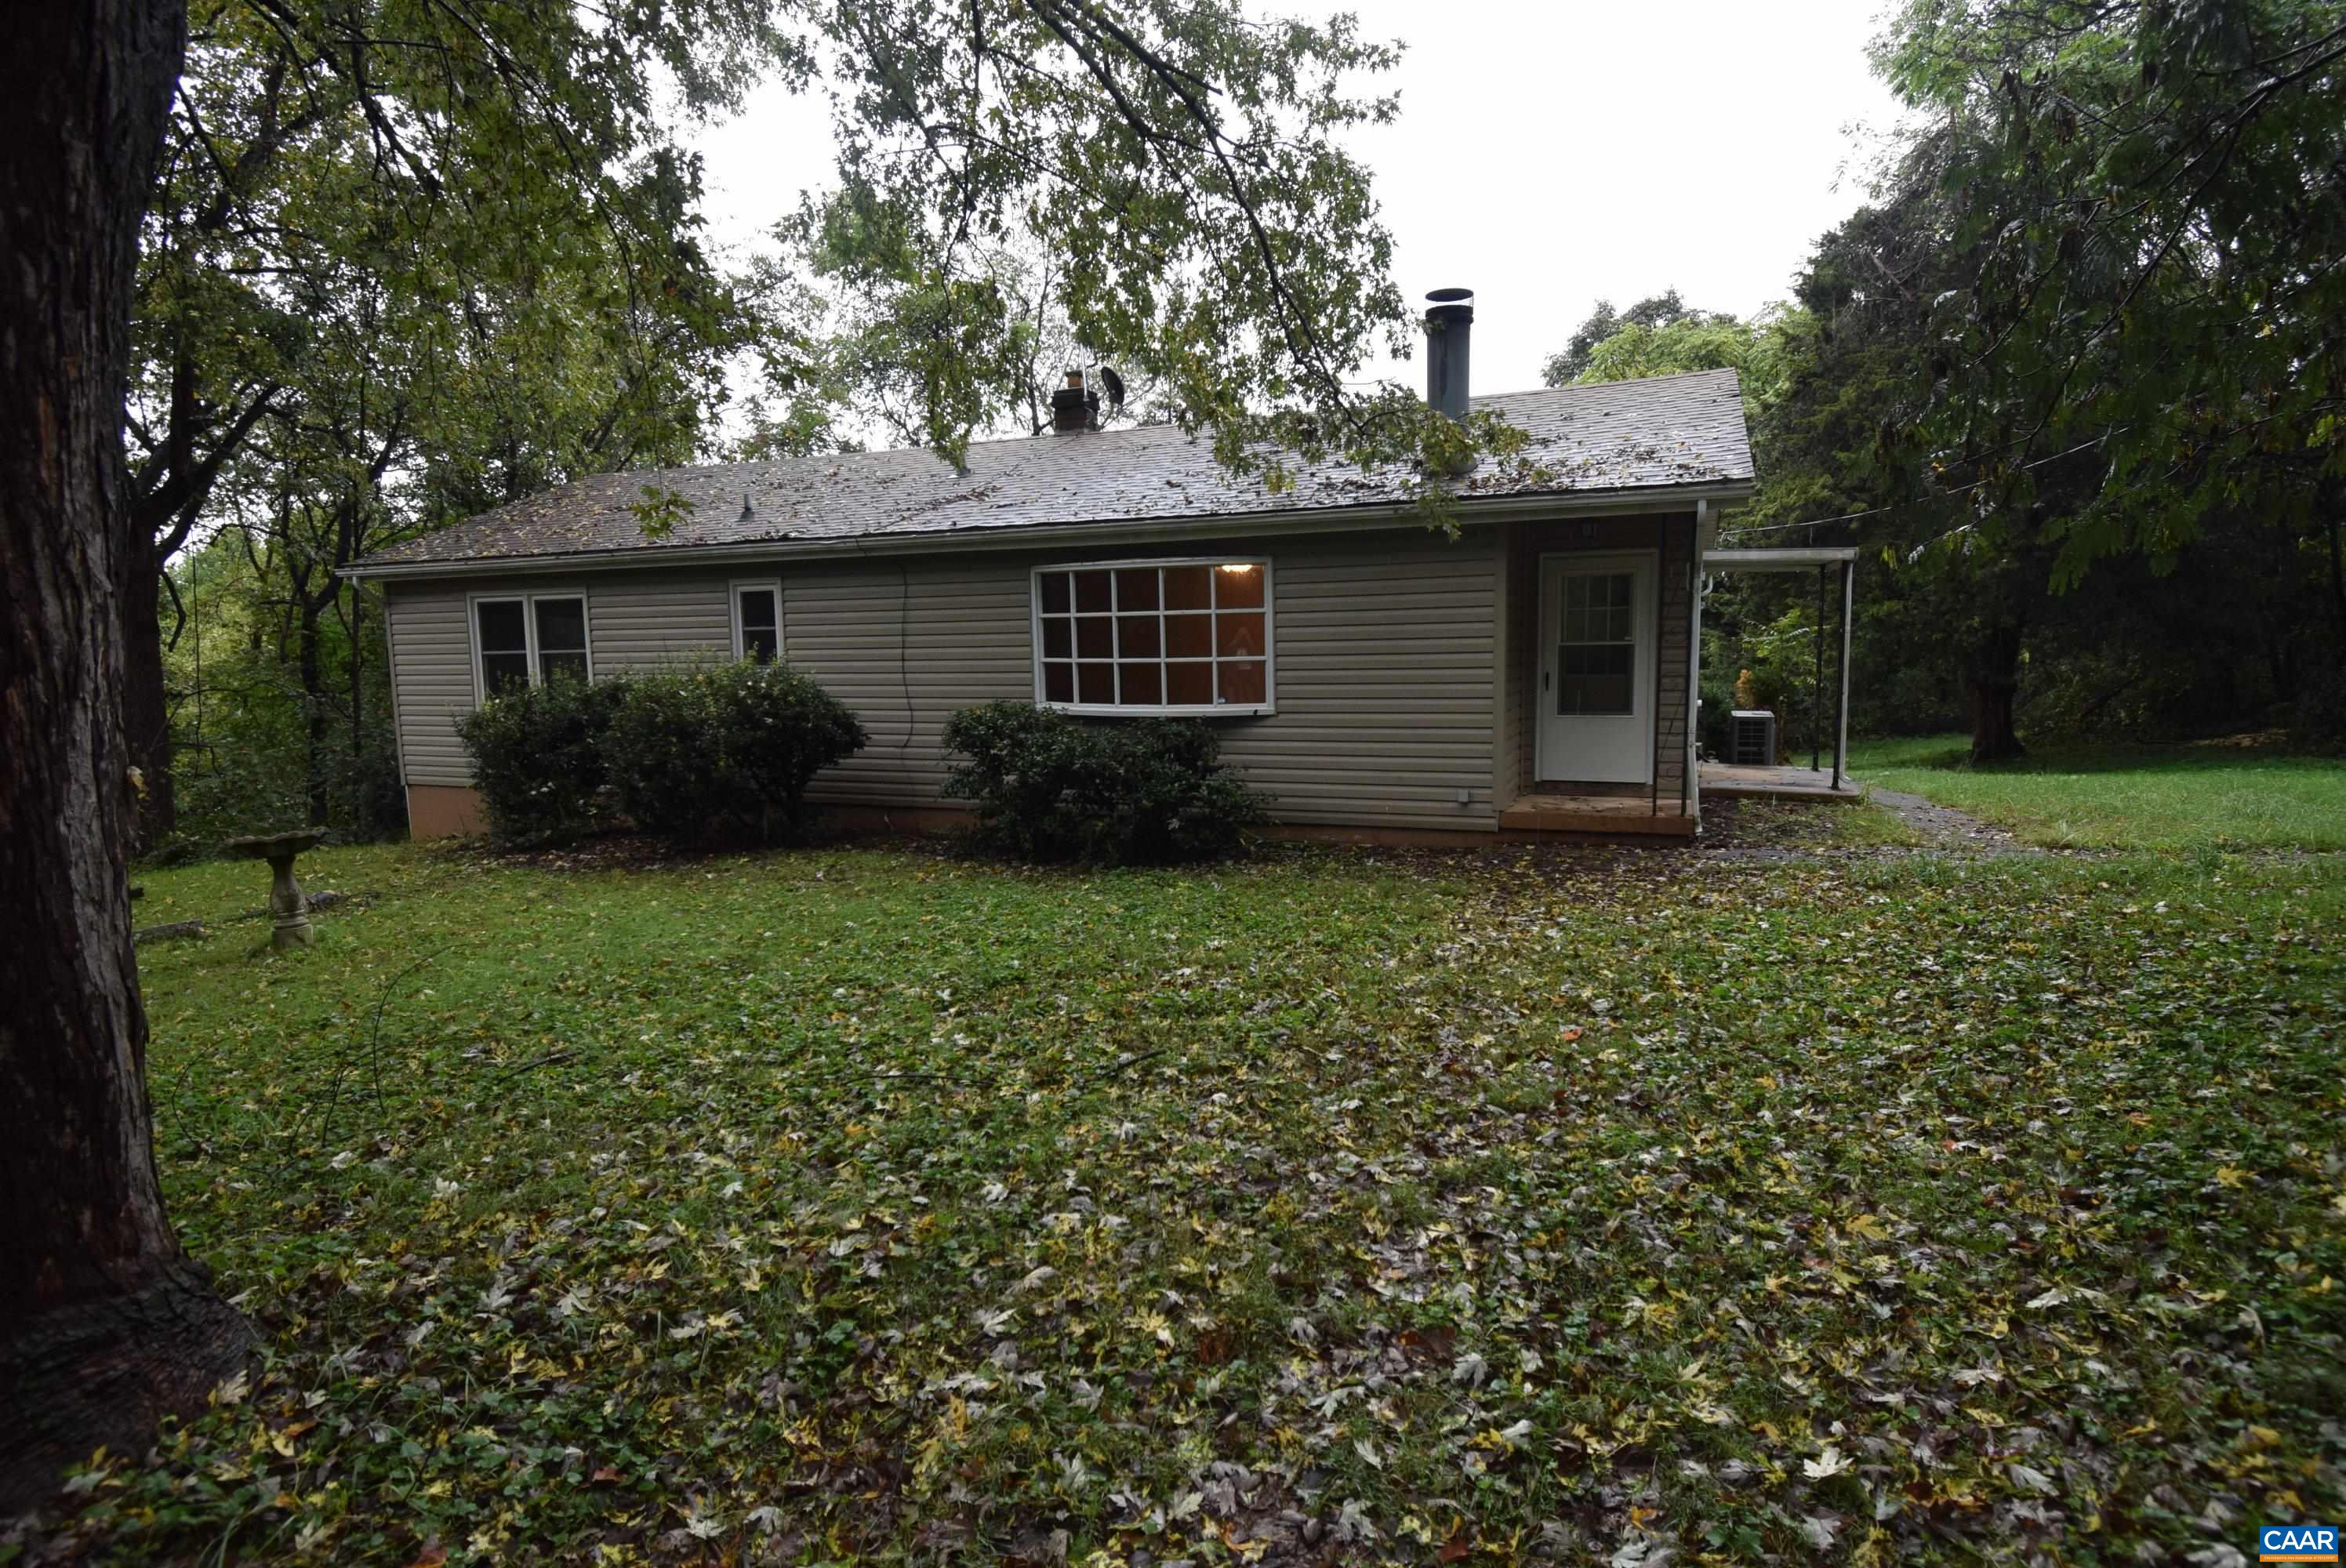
[(725, 753), (537, 758), (1149, 791)]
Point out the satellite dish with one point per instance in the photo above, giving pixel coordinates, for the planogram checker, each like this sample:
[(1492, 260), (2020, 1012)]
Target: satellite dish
[(1115, 384)]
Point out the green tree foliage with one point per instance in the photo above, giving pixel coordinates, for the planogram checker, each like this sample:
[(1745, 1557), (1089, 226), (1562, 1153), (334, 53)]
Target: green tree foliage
[(2149, 199), (1656, 310), (411, 259)]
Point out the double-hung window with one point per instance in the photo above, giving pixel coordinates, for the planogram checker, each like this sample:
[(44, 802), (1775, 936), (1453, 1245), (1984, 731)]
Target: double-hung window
[(1155, 637), (529, 639), (758, 622)]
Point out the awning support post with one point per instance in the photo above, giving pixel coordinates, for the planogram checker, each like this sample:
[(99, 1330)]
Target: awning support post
[(1840, 715), (1817, 686)]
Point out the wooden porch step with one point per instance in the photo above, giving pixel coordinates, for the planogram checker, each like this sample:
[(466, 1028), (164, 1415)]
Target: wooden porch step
[(1605, 816)]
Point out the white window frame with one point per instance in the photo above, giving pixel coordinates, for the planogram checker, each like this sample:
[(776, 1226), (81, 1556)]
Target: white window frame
[(1269, 660), (528, 602), (733, 613)]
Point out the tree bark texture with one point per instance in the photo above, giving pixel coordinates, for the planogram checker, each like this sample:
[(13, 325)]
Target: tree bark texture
[(145, 703), (106, 1324), (1995, 681)]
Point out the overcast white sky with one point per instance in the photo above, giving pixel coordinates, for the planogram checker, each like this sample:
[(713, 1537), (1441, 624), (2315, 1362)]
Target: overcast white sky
[(1549, 152)]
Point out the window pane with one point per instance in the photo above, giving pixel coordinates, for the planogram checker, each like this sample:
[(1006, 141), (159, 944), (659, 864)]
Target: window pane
[(1189, 685), (1241, 681), (1058, 683), (1054, 593), (761, 643), (1141, 685), (1094, 637), (1137, 636), (561, 627), (502, 627), (1591, 695), (1096, 683), (503, 671), (1135, 588), (1058, 640), (1239, 588), (757, 608), (1091, 591), (562, 665), (1188, 636), (1238, 633), (1596, 678), (1189, 587)]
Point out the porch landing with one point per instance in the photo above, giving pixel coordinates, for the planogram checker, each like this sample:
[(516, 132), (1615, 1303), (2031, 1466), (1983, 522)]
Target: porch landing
[(1597, 816), (1777, 783)]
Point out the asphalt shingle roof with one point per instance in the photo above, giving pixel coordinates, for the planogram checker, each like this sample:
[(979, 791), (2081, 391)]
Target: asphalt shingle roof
[(1647, 434)]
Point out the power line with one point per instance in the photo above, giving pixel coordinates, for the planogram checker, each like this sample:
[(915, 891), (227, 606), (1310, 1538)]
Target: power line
[(1878, 511)]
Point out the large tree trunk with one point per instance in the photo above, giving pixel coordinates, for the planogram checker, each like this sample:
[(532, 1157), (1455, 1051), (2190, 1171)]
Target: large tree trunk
[(105, 1322), (1995, 681), (146, 704), (313, 708)]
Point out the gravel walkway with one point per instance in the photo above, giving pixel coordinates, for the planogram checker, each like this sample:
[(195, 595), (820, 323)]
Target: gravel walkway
[(1945, 829)]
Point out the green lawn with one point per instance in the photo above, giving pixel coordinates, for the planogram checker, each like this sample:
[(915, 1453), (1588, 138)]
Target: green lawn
[(2210, 796), (1333, 1206)]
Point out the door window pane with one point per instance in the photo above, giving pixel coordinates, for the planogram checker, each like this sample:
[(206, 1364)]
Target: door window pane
[(1597, 656)]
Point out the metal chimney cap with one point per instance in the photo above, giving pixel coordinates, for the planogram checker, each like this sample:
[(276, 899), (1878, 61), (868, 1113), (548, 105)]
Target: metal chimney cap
[(1451, 305)]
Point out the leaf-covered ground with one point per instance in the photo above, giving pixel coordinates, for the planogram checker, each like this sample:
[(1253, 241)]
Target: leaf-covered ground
[(2244, 792), (1331, 1206)]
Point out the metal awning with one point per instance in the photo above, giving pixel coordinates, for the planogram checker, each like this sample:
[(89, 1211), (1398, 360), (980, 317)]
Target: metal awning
[(1823, 560), (1789, 559)]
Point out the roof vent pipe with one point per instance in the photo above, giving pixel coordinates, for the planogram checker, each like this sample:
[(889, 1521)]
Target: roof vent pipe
[(1448, 338)]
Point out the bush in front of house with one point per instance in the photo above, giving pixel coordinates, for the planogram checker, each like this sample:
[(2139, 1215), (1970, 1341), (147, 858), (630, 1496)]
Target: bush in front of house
[(537, 758), (724, 752), (1048, 786)]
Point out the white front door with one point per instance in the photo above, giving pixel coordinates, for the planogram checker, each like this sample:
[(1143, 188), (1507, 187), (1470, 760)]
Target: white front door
[(1596, 668)]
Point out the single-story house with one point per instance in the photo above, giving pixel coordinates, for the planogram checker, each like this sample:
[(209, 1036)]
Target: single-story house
[(1532, 669)]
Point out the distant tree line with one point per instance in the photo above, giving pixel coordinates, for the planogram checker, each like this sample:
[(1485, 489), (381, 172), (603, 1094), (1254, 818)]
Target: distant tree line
[(2069, 377)]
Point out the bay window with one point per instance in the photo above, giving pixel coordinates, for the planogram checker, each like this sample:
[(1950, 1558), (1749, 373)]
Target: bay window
[(1181, 636)]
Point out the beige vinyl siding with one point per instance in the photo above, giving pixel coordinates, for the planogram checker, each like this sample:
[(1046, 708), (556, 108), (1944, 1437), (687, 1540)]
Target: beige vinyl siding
[(1673, 536), (1385, 648), (965, 640), (635, 620), (432, 678)]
